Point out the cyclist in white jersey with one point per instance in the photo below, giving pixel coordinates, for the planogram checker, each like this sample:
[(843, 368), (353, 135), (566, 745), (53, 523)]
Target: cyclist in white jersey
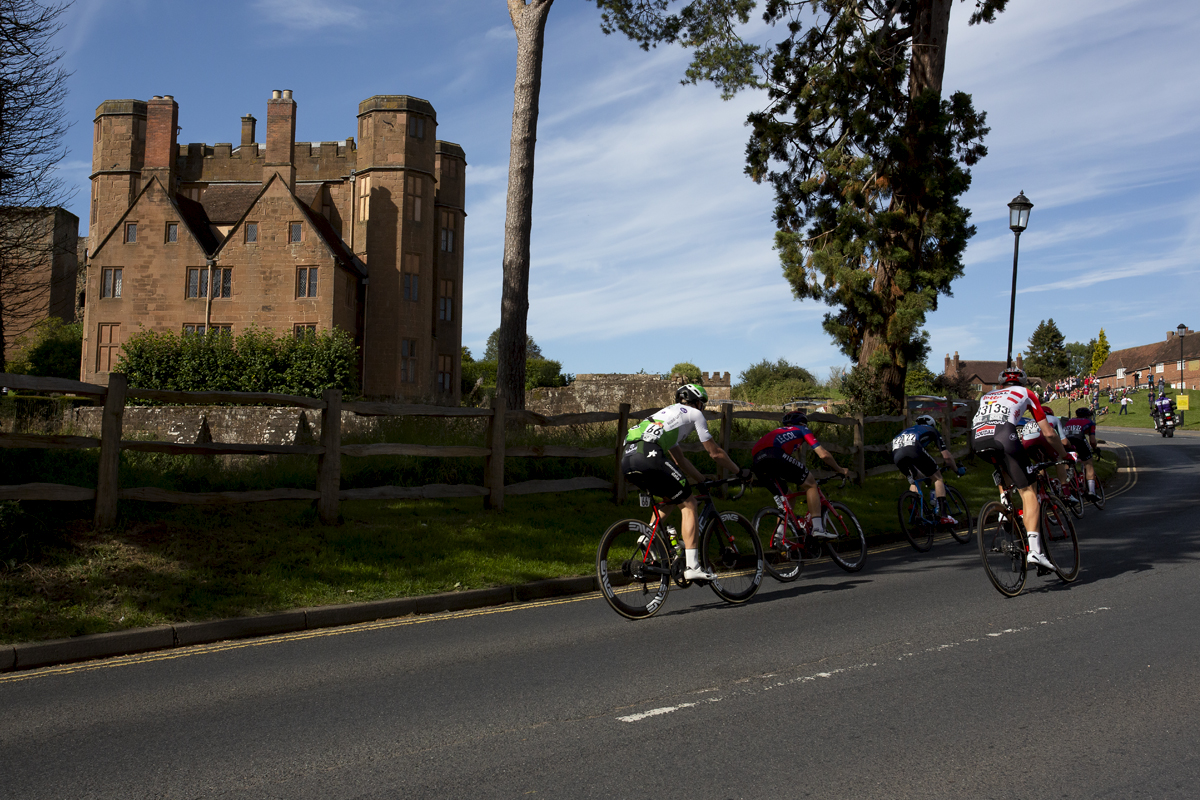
[(645, 463), (995, 438)]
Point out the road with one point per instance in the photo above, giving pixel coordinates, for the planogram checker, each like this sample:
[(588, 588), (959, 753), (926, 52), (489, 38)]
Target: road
[(911, 679)]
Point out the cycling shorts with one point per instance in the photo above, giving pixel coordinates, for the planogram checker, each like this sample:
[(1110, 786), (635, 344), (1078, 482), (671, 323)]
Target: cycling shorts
[(1000, 445), (1081, 447), (773, 465), (647, 466), (914, 462)]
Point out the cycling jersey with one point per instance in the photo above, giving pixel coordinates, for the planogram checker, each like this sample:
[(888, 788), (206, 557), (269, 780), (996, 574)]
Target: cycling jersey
[(920, 436), (670, 426), (1007, 404), (785, 439), (1077, 427), (1031, 432)]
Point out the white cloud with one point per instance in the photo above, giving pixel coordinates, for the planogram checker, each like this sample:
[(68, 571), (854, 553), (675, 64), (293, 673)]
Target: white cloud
[(311, 15)]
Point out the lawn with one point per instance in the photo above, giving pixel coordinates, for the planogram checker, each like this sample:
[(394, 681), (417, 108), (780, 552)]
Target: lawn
[(167, 563), (1139, 411)]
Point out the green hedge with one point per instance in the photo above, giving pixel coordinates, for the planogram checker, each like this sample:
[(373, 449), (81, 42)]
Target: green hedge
[(257, 360)]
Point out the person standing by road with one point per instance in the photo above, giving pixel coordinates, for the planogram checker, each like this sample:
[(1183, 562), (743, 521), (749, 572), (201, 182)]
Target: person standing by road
[(1124, 405)]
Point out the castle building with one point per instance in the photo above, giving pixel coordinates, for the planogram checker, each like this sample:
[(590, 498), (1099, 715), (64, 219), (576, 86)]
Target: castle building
[(285, 235)]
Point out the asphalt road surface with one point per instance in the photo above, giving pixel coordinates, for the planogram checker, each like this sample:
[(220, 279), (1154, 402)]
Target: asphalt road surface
[(911, 679)]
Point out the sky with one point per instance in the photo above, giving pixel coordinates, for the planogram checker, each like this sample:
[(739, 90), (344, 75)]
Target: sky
[(650, 246)]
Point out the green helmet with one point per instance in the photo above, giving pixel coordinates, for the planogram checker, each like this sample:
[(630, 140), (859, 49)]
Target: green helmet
[(691, 394)]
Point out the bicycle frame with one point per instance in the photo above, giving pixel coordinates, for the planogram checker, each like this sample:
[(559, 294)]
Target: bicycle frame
[(706, 513), (784, 501)]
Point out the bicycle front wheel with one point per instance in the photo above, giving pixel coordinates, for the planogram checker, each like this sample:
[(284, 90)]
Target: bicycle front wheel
[(780, 545), (1071, 496), (1061, 543), (916, 529), (1099, 501), (849, 549), (730, 548), (1002, 548), (633, 569), (957, 506)]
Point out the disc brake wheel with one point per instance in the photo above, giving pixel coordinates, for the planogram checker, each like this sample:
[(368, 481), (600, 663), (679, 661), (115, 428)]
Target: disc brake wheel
[(730, 547), (633, 569), (1002, 548), (782, 555)]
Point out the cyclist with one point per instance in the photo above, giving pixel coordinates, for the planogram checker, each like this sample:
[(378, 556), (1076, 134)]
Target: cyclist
[(645, 464), (910, 457), (1081, 436), (775, 460), (994, 437)]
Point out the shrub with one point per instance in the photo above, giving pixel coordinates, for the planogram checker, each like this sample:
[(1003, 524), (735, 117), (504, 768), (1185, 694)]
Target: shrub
[(53, 349), (773, 384), (256, 361), (686, 368)]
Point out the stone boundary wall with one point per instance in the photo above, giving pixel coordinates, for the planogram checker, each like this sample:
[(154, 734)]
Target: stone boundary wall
[(606, 392), (226, 424)]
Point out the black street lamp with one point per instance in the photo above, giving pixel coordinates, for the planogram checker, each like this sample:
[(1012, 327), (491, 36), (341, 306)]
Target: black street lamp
[(1018, 220), (1181, 329)]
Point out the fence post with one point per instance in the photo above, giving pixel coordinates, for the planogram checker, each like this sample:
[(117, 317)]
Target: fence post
[(907, 414), (494, 466), (107, 484), (329, 464), (618, 475), (949, 421), (860, 455)]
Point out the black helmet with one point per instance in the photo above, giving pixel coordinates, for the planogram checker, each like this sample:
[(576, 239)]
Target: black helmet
[(1012, 375), (1083, 411), (691, 394), (793, 418)]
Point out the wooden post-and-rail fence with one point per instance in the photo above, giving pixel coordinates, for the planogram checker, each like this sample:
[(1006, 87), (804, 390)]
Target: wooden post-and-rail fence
[(328, 492)]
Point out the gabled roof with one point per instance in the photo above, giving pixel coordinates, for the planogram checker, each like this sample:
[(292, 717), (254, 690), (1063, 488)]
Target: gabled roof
[(1146, 356), (227, 203), (191, 213), (328, 236), (988, 371)]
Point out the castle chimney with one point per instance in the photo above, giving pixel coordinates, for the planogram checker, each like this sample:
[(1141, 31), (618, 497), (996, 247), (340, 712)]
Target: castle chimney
[(281, 137), (248, 129), (956, 366), (162, 126)]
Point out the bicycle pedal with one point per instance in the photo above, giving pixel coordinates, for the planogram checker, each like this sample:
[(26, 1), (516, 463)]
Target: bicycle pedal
[(1043, 571)]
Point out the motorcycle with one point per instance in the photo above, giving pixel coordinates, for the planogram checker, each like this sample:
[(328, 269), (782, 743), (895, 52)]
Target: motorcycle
[(1164, 423)]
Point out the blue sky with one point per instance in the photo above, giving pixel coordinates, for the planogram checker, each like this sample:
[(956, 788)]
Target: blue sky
[(650, 246)]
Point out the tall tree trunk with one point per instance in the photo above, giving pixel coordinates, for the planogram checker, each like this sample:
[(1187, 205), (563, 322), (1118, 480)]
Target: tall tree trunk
[(529, 20), (927, 66)]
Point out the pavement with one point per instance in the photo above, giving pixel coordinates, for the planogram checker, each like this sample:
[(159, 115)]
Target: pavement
[(33, 655)]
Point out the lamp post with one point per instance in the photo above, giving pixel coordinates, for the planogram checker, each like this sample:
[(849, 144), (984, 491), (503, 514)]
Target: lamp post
[(1181, 329), (1018, 220)]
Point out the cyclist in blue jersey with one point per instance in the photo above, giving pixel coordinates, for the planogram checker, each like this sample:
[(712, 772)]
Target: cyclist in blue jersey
[(645, 464), (910, 457)]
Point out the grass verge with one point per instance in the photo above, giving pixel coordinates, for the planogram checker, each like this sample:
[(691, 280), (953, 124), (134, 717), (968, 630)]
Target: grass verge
[(168, 563)]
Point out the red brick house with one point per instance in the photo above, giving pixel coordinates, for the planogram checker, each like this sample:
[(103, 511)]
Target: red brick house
[(291, 236), (982, 375), (1149, 362)]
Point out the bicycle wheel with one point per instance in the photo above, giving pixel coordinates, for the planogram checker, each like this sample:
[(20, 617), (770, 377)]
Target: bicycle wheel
[(634, 571), (1099, 501), (1002, 548), (1059, 540), (849, 549), (918, 532), (1070, 494), (781, 549), (731, 549), (958, 509)]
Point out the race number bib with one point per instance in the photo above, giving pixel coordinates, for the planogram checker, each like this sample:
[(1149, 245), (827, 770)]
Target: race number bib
[(904, 440), (653, 432)]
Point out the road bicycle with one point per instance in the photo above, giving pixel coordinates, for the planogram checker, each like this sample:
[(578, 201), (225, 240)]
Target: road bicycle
[(637, 561), (1078, 483), (788, 542), (1004, 543), (920, 520)]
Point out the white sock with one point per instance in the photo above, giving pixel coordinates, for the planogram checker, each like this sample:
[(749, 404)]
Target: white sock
[(1035, 542), (693, 558), (1091, 486), (818, 523)]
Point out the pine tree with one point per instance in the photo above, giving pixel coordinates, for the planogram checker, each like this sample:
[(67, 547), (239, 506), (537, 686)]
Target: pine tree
[(1100, 353), (867, 160), (1047, 357)]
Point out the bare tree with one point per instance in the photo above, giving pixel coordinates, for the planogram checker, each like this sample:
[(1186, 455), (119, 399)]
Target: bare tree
[(529, 20), (33, 86)]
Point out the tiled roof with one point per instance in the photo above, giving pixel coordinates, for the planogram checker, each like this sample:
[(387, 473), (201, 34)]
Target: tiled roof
[(331, 237), (226, 204), (1144, 356), (194, 217)]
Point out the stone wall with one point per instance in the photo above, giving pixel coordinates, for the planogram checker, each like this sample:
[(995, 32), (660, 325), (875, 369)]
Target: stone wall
[(606, 392), (226, 424)]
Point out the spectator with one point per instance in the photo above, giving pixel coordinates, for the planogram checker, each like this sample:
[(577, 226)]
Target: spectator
[(1124, 405)]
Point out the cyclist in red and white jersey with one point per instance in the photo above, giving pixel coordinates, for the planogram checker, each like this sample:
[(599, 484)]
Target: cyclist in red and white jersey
[(995, 438)]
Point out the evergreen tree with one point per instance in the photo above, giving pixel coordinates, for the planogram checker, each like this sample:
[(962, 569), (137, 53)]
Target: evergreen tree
[(1100, 353), (867, 160), (1081, 357), (492, 348), (1047, 356)]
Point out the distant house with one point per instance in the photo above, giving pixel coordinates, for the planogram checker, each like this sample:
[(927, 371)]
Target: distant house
[(982, 375), (1150, 362)]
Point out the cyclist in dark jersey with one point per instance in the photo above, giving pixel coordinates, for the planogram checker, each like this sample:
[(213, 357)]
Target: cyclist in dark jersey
[(1081, 436), (645, 464), (775, 459), (911, 458)]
